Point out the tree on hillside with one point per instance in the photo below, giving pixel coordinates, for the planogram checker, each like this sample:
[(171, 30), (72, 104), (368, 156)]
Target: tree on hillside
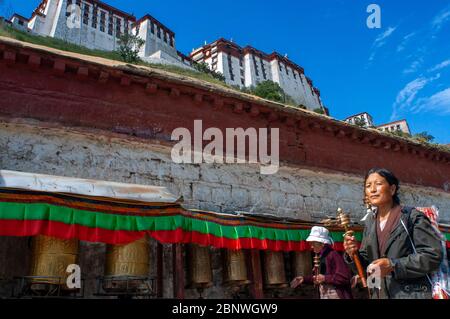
[(204, 68), (129, 47), (319, 110), (270, 90), (399, 133), (424, 137), (360, 121)]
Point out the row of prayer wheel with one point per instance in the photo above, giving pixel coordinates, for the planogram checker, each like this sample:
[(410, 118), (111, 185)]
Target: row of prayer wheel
[(51, 256), (235, 267)]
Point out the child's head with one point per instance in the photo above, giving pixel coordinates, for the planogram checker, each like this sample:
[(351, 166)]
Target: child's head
[(318, 237)]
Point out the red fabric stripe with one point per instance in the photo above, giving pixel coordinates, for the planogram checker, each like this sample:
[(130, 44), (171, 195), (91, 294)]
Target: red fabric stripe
[(64, 231), (23, 228)]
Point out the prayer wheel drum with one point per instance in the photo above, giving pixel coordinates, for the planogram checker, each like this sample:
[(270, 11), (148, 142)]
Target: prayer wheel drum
[(235, 268), (126, 266), (199, 267), (302, 263), (49, 261), (274, 272)]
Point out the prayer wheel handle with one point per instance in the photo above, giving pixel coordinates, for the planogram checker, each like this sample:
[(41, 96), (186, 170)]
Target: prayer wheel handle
[(344, 221)]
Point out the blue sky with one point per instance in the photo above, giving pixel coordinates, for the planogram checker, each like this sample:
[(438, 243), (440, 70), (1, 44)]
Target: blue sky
[(399, 71)]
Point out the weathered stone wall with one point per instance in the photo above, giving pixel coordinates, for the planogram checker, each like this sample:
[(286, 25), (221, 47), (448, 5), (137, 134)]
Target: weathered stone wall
[(293, 192)]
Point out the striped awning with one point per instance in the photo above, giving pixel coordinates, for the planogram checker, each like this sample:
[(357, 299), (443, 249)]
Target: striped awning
[(116, 213)]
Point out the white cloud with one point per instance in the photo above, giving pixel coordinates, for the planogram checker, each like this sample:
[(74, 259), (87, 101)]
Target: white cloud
[(407, 95), (405, 40), (382, 38), (440, 66), (415, 65), (379, 41), (439, 102), (441, 18)]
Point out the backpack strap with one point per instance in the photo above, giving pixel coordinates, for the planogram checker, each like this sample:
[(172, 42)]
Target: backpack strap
[(411, 240)]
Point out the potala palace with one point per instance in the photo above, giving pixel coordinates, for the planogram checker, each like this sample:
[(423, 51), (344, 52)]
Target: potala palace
[(99, 26)]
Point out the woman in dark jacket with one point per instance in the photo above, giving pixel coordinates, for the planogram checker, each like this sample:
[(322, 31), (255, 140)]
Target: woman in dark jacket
[(334, 275), (386, 245)]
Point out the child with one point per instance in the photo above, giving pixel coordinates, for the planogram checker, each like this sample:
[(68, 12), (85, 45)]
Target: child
[(334, 275)]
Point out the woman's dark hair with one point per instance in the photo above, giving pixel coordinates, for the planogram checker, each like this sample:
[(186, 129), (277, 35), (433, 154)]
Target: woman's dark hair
[(389, 177)]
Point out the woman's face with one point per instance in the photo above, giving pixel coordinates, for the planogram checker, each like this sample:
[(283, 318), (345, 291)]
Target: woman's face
[(316, 246), (378, 191)]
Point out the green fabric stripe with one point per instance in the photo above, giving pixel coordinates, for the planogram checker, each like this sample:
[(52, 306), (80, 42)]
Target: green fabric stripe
[(447, 236), (42, 211)]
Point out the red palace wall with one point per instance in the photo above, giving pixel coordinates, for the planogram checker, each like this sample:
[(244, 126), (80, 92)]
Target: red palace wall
[(79, 91)]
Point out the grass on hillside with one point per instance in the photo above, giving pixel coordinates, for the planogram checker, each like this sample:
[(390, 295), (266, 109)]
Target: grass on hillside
[(11, 32)]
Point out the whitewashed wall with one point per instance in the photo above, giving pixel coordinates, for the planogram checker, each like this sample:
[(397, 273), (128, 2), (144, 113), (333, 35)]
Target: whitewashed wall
[(292, 192)]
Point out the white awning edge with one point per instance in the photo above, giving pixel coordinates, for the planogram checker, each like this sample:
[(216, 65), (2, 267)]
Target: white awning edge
[(89, 187)]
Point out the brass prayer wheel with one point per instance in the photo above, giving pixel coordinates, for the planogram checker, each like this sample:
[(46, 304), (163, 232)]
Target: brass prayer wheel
[(128, 260), (274, 272), (302, 263), (126, 266), (235, 268), (50, 258), (199, 267)]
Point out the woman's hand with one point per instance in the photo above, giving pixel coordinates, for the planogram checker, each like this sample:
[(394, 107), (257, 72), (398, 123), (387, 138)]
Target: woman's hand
[(350, 245), (354, 281), (384, 264), (297, 281), (319, 279)]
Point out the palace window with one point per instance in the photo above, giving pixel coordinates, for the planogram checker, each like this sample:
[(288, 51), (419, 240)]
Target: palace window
[(255, 65), (164, 36), (102, 21), (110, 24), (87, 8), (126, 26), (152, 27), (94, 17), (263, 69), (158, 32), (171, 41), (118, 27), (138, 27), (230, 67)]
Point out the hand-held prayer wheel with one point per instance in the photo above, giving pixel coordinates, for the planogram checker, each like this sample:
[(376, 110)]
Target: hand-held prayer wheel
[(344, 221), (126, 265), (235, 268), (316, 264), (302, 263), (199, 267), (50, 258), (274, 272)]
